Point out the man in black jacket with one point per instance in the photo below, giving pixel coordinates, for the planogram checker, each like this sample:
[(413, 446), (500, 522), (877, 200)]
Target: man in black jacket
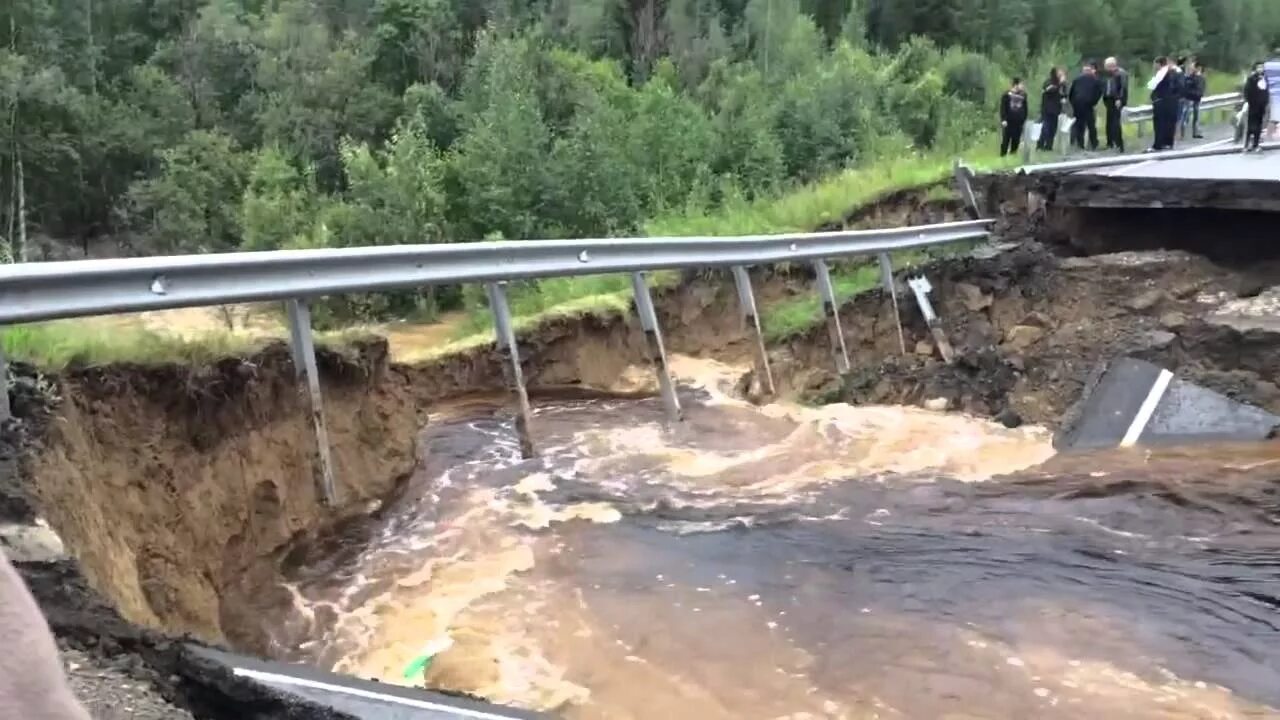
[(1013, 117), (1256, 98), (1115, 97), (1051, 107), (1086, 91), (1164, 104)]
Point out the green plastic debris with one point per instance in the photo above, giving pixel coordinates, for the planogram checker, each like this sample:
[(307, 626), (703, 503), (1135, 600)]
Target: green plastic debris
[(420, 664), (416, 669)]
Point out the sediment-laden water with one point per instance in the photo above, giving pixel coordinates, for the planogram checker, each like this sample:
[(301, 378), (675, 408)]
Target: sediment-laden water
[(782, 562)]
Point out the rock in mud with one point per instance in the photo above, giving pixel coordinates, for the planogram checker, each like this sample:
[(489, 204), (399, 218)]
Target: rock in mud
[(1009, 418), (1146, 300), (973, 298), (1021, 337), (924, 348), (939, 404), (1037, 319), (1173, 320)]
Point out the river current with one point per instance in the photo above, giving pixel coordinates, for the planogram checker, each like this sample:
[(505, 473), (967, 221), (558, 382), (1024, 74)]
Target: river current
[(787, 562)]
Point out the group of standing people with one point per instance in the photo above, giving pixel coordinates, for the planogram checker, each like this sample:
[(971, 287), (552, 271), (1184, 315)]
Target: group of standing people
[(1176, 92)]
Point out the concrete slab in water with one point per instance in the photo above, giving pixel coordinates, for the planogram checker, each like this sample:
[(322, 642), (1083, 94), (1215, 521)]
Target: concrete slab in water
[(355, 697), (1137, 403)]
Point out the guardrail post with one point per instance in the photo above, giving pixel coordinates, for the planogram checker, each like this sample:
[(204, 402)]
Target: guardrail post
[(964, 184), (751, 318), (831, 309), (886, 277), (6, 412), (653, 340), (922, 287), (1142, 128), (511, 370), (308, 377)]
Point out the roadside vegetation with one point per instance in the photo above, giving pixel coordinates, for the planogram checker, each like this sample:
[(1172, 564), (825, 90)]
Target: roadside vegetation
[(221, 125)]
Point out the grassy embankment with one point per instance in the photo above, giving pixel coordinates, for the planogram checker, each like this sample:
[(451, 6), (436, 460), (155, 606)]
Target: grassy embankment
[(58, 344)]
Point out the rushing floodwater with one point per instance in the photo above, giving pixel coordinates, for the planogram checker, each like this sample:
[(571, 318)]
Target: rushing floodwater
[(787, 563)]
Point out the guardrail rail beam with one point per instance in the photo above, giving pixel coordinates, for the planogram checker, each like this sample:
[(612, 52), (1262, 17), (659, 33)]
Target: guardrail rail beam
[(308, 378), (751, 319), (653, 341), (511, 370), (831, 310)]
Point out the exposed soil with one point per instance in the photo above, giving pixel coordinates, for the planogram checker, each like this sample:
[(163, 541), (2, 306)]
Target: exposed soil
[(1031, 330), (177, 488)]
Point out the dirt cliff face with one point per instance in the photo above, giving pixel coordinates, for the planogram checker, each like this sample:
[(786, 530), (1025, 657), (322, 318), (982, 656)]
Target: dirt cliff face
[(168, 482)]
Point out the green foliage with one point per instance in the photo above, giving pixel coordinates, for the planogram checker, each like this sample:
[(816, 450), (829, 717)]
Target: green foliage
[(209, 125), (190, 206), (279, 204)]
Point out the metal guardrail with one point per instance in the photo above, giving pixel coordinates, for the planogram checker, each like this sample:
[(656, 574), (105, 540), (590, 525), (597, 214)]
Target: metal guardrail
[(1118, 160), (1143, 113), (51, 290), (54, 290)]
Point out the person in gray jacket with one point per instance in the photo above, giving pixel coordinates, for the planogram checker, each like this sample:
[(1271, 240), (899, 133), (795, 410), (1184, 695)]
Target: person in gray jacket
[(1115, 97)]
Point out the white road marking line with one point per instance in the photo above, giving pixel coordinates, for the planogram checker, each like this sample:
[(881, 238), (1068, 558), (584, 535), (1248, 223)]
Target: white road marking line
[(1149, 405), (274, 679)]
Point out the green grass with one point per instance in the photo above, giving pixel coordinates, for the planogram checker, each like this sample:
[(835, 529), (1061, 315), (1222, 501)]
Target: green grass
[(65, 343), (60, 344), (795, 316), (533, 303), (829, 200), (1217, 82)]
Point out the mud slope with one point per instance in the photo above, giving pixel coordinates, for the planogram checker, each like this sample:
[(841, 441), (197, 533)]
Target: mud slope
[(167, 482), (1031, 330)]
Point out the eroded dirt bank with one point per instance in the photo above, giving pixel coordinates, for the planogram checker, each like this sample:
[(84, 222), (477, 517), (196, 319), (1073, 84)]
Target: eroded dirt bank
[(1032, 330), (176, 489)]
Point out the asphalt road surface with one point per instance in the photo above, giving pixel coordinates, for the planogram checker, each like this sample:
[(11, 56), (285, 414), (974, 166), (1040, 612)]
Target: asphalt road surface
[(1235, 166), (360, 698)]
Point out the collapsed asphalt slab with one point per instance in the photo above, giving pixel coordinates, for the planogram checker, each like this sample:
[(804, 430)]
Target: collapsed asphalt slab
[(1139, 403)]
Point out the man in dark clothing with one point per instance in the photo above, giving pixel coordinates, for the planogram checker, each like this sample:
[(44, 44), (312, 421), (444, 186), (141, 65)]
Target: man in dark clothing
[(1086, 91), (1256, 98), (1013, 117), (1051, 107), (1164, 104), (1192, 93), (1115, 98)]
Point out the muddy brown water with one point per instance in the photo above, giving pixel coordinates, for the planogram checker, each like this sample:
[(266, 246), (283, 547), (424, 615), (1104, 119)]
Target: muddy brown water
[(782, 562)]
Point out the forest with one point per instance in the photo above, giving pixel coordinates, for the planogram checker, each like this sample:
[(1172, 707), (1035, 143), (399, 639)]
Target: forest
[(165, 126)]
